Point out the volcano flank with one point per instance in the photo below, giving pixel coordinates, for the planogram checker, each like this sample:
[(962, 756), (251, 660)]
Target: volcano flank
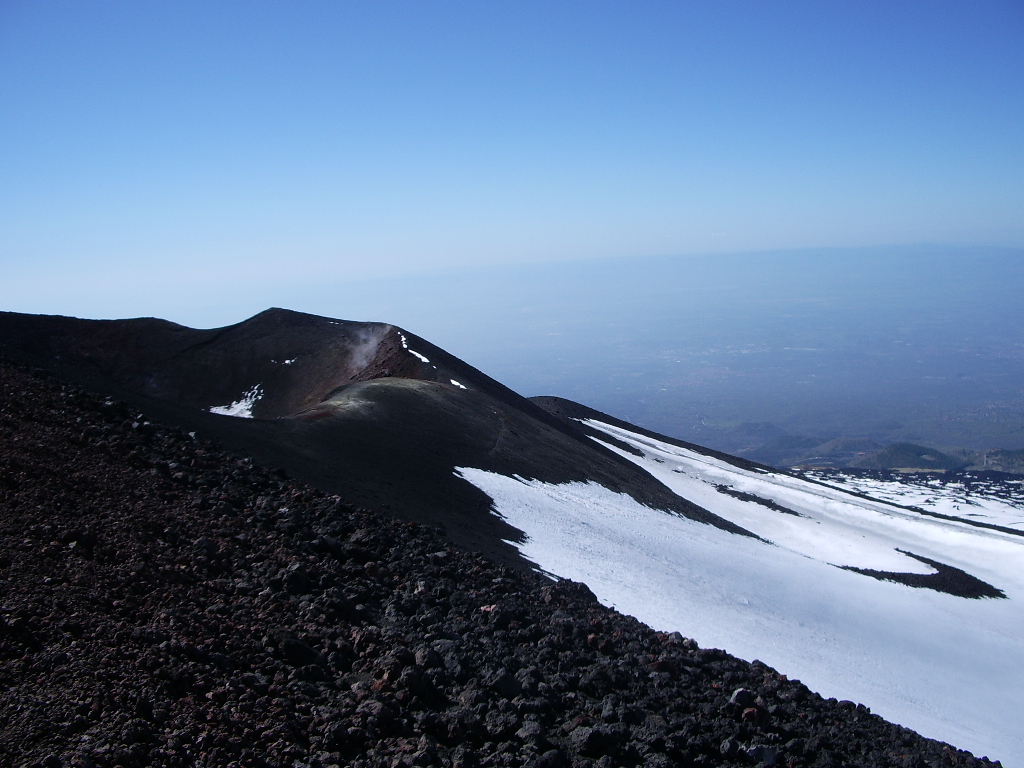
[(300, 541), (347, 407)]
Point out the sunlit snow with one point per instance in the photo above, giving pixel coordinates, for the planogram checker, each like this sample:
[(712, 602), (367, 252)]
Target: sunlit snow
[(241, 408), (946, 666), (457, 384), (405, 346)]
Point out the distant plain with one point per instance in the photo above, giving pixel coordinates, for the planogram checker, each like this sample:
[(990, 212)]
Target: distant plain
[(745, 352)]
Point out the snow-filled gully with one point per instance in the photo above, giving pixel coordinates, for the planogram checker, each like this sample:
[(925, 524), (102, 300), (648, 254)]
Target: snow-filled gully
[(947, 666)]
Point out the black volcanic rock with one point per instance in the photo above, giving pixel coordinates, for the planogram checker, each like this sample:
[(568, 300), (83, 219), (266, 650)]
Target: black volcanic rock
[(151, 615)]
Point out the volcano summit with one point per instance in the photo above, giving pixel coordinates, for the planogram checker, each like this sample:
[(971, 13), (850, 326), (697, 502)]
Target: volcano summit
[(907, 600), (368, 411)]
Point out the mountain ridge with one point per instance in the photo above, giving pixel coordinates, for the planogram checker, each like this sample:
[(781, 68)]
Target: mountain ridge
[(321, 429), (737, 554)]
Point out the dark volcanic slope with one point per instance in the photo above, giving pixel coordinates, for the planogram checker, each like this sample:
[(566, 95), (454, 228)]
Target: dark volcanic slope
[(296, 360), (166, 603), (351, 408)]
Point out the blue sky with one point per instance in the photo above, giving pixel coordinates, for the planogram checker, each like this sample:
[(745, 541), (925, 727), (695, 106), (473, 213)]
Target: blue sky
[(195, 160)]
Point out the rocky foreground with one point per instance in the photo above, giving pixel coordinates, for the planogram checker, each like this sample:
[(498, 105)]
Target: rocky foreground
[(165, 603)]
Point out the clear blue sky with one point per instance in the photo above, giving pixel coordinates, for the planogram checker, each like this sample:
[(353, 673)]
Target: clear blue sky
[(171, 158)]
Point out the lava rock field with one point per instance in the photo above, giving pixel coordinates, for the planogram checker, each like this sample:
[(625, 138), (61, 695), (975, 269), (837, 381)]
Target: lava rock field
[(164, 602)]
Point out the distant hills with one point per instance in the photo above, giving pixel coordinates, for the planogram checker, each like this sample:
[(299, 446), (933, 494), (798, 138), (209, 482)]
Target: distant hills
[(794, 450), (1005, 461), (859, 452), (908, 456)]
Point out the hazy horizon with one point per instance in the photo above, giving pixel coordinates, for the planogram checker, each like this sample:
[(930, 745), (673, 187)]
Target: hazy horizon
[(919, 344), (544, 167)]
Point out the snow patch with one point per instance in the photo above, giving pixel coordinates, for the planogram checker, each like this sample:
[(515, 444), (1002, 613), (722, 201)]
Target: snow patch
[(405, 346), (241, 408), (460, 386)]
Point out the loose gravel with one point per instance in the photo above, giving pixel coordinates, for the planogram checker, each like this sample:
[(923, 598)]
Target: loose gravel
[(166, 603)]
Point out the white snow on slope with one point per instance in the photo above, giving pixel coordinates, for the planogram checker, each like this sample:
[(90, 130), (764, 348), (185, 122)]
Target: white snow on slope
[(241, 408), (405, 346), (946, 666), (976, 501), (833, 525)]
